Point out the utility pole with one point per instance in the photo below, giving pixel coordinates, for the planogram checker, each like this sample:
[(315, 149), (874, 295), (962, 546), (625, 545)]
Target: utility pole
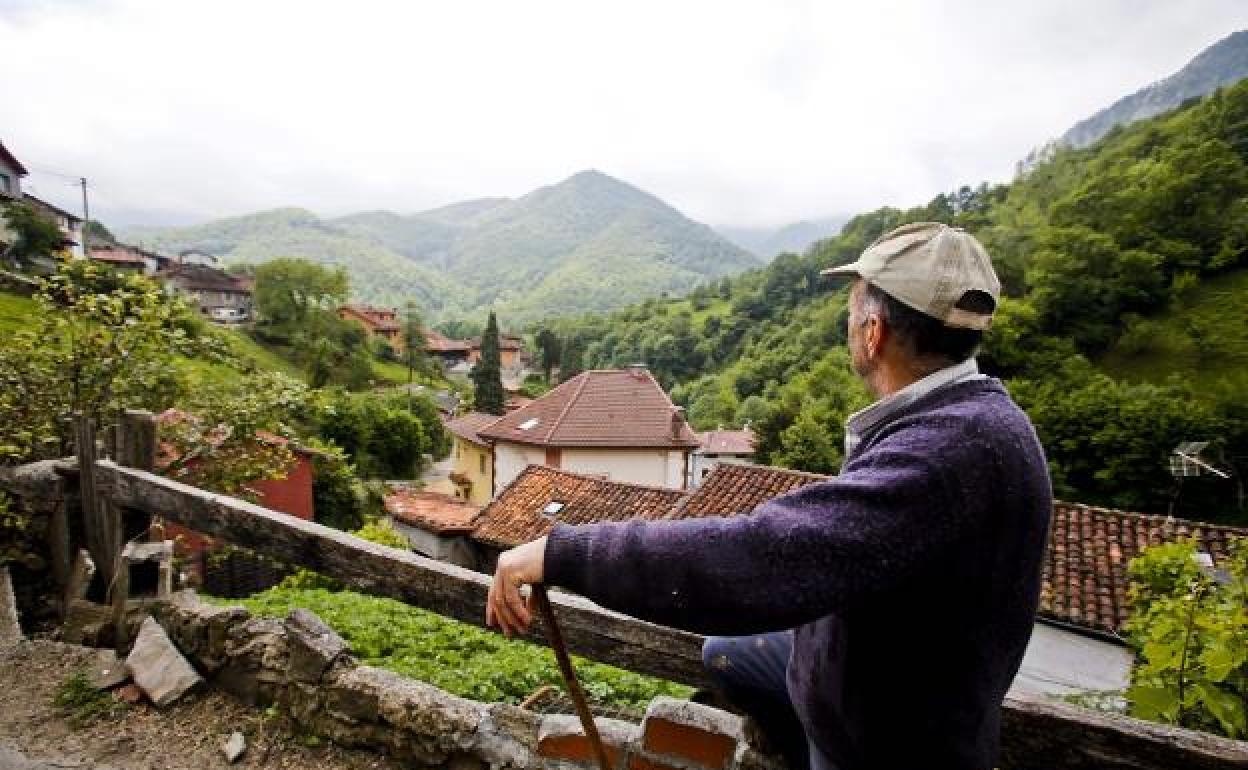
[(86, 217)]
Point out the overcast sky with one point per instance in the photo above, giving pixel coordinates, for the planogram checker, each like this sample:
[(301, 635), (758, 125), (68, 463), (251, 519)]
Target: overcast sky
[(745, 113)]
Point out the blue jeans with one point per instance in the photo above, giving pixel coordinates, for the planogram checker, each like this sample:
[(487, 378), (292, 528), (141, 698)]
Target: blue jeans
[(750, 672)]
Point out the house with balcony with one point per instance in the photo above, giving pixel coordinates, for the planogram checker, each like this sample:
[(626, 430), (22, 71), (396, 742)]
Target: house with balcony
[(382, 322)]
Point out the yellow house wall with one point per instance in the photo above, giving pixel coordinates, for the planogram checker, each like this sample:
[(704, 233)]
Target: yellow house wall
[(469, 459)]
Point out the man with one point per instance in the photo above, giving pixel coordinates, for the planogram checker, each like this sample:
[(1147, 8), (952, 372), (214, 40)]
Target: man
[(910, 581)]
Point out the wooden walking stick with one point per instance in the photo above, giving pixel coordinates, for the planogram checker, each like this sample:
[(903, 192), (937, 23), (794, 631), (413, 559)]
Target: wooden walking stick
[(569, 675)]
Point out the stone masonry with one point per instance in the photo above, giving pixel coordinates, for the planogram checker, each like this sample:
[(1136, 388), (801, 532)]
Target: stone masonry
[(307, 670)]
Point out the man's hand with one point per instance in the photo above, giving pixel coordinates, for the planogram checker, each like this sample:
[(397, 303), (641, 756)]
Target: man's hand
[(521, 566)]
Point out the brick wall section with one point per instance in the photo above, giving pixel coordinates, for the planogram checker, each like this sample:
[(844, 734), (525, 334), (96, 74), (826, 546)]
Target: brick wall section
[(305, 668)]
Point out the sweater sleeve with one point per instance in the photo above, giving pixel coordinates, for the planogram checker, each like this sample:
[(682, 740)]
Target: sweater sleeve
[(821, 549)]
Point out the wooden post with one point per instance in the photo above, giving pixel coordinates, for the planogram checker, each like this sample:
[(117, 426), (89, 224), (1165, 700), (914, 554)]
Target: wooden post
[(136, 445), (98, 530)]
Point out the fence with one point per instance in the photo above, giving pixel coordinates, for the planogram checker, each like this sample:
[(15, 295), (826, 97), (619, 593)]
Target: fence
[(116, 497)]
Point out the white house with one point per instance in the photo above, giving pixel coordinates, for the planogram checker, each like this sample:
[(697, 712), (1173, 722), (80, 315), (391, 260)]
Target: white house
[(720, 446), (613, 424)]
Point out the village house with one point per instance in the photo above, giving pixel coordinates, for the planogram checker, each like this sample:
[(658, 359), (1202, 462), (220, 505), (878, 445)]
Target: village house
[(436, 525), (720, 446), (445, 350), (379, 322), (510, 351), (618, 424), (472, 457), (69, 224), (291, 494), (541, 497), (219, 295), (119, 257)]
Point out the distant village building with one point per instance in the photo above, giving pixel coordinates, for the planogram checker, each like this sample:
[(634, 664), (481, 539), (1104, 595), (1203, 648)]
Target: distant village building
[(436, 525), (221, 296), (196, 257), (721, 446), (472, 457), (445, 350), (380, 322), (119, 257), (69, 224), (618, 424), (509, 351), (11, 173)]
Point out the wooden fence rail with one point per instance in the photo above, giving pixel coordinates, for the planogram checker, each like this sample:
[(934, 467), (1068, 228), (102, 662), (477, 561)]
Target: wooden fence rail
[(1035, 734)]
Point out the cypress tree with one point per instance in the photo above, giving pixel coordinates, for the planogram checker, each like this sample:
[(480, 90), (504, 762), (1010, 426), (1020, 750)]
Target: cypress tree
[(487, 376)]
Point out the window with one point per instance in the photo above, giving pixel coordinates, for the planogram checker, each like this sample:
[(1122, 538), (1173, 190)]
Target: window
[(481, 462), (5, 184), (529, 424), (553, 507)]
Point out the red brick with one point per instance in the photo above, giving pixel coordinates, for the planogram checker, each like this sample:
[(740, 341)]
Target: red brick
[(641, 763), (576, 748), (711, 750)]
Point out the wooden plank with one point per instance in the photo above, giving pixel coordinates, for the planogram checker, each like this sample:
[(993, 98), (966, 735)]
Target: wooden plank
[(1035, 734), (413, 579), (1039, 734)]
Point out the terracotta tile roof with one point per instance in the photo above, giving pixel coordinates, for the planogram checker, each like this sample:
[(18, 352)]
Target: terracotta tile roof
[(436, 342), (603, 408), (436, 513), (380, 318), (516, 516), (201, 278), (118, 256), (732, 442), (730, 489), (467, 426), (1085, 570)]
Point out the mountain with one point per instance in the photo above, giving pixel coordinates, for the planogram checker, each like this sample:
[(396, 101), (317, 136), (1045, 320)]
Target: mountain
[(1221, 64), (588, 243), (795, 238)]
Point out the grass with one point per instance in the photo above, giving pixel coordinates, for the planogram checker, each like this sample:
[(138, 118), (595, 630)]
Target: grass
[(1204, 340), (457, 657), (16, 312), (81, 703)]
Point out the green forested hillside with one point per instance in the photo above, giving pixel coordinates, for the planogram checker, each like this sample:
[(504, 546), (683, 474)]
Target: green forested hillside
[(1127, 258), (589, 243)]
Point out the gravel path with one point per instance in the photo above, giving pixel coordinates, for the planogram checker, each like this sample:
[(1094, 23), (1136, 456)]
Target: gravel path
[(185, 736)]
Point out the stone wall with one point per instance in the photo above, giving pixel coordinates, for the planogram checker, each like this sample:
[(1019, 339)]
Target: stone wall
[(307, 670)]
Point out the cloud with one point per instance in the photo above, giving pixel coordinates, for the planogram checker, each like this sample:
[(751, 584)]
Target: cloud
[(735, 112)]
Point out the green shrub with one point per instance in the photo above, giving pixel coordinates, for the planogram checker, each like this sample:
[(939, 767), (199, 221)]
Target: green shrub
[(459, 658), (1189, 627)]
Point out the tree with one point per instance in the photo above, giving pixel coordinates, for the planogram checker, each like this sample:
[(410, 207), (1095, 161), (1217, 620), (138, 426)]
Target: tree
[(487, 376), (291, 292), (413, 339), (548, 349), (36, 236), (572, 361)]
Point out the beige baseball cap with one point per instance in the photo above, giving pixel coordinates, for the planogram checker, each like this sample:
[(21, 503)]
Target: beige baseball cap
[(930, 267)]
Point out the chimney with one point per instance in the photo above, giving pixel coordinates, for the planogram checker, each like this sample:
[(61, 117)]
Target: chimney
[(638, 371), (678, 420)]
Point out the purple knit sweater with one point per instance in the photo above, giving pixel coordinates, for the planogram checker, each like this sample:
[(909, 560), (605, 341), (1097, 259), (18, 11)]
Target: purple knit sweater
[(912, 580)]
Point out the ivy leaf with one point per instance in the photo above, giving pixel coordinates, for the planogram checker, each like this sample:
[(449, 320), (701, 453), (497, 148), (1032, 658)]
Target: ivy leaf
[(1220, 660), (1155, 703), (1225, 707)]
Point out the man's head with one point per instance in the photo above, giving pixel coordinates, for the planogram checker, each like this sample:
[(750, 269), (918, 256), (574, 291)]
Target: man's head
[(924, 295)]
